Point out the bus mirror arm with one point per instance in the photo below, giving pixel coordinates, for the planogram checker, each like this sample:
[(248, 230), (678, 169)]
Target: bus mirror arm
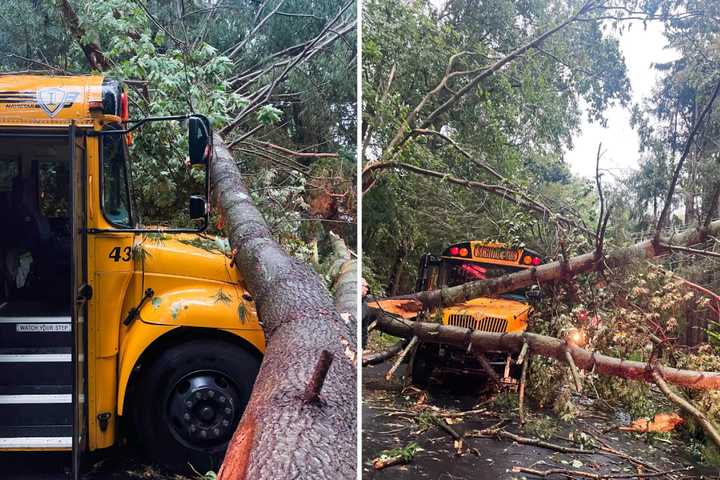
[(534, 294), (198, 208), (135, 311)]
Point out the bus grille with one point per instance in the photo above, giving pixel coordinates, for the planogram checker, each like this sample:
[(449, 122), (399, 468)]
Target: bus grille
[(485, 324)]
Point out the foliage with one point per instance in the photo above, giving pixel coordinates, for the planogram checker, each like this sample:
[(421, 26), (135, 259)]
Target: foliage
[(517, 122), (542, 426), (190, 57), (407, 453)]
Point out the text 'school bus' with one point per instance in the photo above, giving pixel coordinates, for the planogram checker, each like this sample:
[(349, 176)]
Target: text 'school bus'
[(507, 313), (108, 328)]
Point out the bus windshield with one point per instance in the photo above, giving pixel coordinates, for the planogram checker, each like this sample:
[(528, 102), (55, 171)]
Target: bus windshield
[(459, 272)]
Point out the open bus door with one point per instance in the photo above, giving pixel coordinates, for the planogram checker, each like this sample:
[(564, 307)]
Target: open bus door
[(81, 293), (428, 272)]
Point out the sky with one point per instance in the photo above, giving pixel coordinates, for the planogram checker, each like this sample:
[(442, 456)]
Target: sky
[(641, 48)]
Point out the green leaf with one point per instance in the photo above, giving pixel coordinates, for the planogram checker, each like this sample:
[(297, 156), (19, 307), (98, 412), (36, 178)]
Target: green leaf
[(268, 115)]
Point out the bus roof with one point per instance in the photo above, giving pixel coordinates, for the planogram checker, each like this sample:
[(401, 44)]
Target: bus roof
[(50, 101), (494, 253)]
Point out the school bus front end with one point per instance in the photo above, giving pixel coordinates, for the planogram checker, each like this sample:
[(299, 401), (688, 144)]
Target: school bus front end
[(508, 313), (107, 326)]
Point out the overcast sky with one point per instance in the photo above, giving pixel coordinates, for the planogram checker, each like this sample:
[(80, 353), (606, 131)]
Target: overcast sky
[(640, 48)]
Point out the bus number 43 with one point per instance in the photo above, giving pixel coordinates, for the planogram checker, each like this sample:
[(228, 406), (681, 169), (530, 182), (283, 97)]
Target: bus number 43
[(116, 255)]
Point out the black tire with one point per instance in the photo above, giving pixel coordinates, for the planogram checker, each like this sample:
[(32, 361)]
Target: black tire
[(173, 404), (422, 365)]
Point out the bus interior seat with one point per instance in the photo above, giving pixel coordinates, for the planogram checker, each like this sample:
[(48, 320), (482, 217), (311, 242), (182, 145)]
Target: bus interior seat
[(30, 223), (29, 230)]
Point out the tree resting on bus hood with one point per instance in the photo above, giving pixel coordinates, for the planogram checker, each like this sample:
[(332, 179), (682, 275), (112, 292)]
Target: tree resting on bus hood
[(300, 421), (547, 347), (563, 351), (558, 270)]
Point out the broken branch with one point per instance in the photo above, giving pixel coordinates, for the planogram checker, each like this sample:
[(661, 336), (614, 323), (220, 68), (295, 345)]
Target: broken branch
[(547, 347), (314, 386)]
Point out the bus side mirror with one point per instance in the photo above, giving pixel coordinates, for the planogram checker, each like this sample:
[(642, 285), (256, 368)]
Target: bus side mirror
[(534, 294), (199, 140), (198, 207)]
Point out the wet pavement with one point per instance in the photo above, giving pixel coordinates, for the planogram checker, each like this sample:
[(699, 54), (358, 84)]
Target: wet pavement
[(387, 424), (122, 463)]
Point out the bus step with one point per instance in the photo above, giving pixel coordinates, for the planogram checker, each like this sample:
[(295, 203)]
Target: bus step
[(38, 366), (35, 405), (37, 331), (34, 437)]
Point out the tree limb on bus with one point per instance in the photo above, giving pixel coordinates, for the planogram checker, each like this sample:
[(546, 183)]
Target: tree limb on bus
[(547, 347), (280, 432), (555, 271)]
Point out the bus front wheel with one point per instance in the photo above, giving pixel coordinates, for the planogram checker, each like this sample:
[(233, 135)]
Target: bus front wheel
[(190, 399), (422, 364)]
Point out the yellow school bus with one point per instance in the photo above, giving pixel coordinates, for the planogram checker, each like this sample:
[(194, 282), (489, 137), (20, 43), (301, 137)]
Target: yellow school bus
[(107, 328), (508, 313)]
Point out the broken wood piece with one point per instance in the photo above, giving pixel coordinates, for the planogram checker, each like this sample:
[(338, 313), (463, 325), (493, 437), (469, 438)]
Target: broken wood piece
[(521, 391), (606, 448), (403, 354), (710, 428), (314, 386), (573, 370), (523, 353), (661, 422), (379, 357), (380, 463), (485, 364), (477, 411), (445, 426), (535, 442)]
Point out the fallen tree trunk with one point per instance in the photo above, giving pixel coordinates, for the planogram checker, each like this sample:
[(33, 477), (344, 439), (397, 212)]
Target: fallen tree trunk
[(555, 270), (547, 347), (283, 435), (344, 274)]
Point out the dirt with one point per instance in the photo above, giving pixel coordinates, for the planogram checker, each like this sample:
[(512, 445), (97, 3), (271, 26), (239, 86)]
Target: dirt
[(385, 427), (121, 463)]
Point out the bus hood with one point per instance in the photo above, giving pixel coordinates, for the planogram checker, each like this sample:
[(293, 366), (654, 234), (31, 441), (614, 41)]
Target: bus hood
[(192, 256), (489, 314), (494, 307)]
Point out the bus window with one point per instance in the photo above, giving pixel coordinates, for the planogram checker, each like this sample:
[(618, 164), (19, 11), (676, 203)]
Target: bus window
[(53, 178), (116, 193), (457, 273)]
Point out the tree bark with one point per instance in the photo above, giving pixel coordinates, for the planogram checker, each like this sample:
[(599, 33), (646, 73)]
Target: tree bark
[(281, 436), (344, 273), (547, 347)]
